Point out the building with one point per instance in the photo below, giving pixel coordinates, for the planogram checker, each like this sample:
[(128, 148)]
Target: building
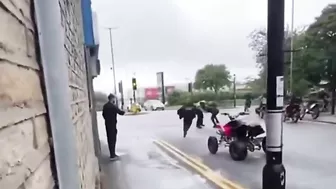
[(147, 93), (46, 134)]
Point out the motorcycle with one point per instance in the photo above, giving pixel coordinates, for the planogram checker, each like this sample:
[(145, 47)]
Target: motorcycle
[(238, 136), (313, 109), (292, 112), (261, 111)]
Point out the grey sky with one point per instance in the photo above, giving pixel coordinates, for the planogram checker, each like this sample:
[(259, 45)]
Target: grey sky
[(180, 36)]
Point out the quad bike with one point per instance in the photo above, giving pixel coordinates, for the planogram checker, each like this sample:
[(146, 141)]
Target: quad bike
[(239, 137), (292, 112), (313, 109)]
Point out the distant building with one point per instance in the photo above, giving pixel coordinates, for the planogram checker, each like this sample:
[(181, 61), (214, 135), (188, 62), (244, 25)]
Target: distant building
[(148, 93)]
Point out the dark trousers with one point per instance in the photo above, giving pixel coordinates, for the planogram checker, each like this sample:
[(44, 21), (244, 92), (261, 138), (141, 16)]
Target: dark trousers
[(111, 133), (186, 125), (214, 118), (199, 121)]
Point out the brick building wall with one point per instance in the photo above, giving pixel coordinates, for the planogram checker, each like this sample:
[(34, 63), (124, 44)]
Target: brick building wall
[(74, 47), (24, 147)]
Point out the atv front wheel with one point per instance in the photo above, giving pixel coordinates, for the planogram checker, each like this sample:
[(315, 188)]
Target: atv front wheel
[(315, 113), (238, 150), (213, 144)]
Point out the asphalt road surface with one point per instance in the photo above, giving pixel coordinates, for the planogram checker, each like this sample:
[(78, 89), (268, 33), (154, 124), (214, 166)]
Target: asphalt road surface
[(309, 149)]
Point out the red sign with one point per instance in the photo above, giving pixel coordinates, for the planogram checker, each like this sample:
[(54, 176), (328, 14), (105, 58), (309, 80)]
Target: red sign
[(152, 93), (170, 89)]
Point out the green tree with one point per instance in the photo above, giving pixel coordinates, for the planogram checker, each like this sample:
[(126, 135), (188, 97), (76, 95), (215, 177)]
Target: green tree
[(259, 45), (320, 49), (212, 77)]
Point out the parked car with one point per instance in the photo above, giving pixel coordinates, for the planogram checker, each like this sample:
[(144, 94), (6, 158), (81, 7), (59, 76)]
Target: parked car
[(154, 105)]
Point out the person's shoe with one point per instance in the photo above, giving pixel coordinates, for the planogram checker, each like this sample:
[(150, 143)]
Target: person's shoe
[(203, 125), (184, 134), (199, 126), (113, 158)]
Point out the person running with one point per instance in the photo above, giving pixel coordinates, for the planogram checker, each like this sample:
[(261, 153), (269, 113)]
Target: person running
[(187, 113), (213, 110), (110, 112)]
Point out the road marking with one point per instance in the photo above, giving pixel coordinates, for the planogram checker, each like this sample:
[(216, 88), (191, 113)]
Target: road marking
[(202, 169)]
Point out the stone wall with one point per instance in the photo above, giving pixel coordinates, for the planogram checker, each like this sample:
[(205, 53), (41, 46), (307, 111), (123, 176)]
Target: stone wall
[(74, 47), (24, 147)]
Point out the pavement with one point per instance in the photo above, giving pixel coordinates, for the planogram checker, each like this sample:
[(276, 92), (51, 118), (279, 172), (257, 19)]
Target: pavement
[(152, 149), (324, 118), (142, 164)]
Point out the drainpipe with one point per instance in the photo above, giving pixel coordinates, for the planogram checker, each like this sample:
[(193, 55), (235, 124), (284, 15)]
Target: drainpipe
[(55, 73), (91, 60)]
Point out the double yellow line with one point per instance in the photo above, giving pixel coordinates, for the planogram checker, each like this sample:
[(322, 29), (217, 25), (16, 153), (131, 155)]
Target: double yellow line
[(198, 166)]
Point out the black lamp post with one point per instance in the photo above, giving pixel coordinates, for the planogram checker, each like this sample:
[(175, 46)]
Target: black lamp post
[(274, 173)]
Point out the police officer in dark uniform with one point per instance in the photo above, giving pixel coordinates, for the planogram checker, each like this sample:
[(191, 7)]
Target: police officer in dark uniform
[(200, 116), (187, 113), (110, 112)]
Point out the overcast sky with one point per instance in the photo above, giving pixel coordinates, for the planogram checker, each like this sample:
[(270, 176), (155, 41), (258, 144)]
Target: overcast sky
[(180, 36)]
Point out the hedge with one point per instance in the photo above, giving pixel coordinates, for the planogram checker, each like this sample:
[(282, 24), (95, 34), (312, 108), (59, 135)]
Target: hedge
[(178, 97)]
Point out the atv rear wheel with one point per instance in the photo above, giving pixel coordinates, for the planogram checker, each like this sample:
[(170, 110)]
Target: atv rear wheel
[(213, 144), (238, 150)]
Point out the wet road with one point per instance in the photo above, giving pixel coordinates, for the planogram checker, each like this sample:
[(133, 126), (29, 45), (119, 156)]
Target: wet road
[(309, 149)]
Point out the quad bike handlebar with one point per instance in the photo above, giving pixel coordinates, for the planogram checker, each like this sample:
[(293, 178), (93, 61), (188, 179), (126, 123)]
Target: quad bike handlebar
[(232, 117)]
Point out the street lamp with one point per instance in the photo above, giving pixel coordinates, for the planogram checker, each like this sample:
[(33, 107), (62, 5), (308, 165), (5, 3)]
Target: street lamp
[(292, 50), (112, 58), (274, 173)]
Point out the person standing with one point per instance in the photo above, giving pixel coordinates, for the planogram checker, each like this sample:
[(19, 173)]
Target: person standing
[(110, 112), (200, 116), (248, 102)]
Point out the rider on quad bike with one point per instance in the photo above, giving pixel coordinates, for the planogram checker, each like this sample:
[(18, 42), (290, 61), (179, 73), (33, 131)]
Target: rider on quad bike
[(294, 106)]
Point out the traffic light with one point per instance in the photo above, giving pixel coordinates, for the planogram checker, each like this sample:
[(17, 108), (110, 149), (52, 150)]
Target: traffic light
[(134, 84)]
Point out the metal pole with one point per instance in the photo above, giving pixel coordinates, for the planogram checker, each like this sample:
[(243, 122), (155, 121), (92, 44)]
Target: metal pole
[(134, 98), (292, 50), (163, 89), (274, 173), (113, 66), (55, 75), (234, 91)]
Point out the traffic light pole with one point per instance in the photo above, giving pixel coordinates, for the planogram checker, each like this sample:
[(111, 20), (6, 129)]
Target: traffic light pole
[(134, 87), (234, 91), (134, 99), (274, 173)]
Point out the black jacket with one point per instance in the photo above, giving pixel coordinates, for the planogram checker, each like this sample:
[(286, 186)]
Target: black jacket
[(188, 113), (110, 112)]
